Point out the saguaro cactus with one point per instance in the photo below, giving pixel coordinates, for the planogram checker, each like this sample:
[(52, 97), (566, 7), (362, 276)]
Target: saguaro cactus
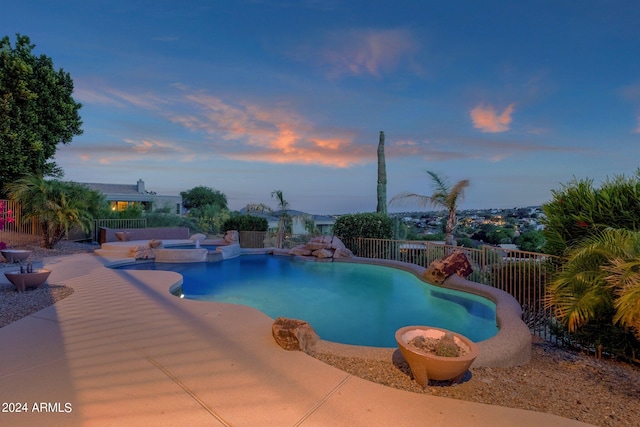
[(382, 177)]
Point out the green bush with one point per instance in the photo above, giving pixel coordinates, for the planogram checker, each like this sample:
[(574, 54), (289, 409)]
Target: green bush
[(579, 209), (245, 222), (530, 241), (466, 242), (156, 219), (593, 293), (366, 225), (209, 218)]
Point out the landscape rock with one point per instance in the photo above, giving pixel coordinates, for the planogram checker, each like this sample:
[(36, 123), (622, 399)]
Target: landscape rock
[(323, 247), (231, 236), (300, 250), (323, 253), (314, 246), (336, 243), (142, 252), (342, 253), (454, 263), (294, 334), (154, 244)]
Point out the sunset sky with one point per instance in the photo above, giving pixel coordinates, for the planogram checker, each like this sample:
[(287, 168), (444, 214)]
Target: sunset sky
[(248, 97)]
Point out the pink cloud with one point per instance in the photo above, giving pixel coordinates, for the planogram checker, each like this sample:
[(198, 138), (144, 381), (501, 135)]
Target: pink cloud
[(252, 132), (488, 120), (637, 130)]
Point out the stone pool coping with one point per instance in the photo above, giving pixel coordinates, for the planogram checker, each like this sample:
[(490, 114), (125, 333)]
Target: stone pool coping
[(511, 346)]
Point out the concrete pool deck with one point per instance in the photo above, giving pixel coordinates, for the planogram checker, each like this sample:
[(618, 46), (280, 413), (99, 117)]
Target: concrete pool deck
[(123, 351)]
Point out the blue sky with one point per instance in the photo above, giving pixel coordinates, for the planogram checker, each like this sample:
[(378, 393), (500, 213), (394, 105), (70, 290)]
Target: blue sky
[(248, 97)]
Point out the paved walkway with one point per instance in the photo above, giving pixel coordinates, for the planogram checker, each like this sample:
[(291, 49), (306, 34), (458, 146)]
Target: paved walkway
[(123, 351)]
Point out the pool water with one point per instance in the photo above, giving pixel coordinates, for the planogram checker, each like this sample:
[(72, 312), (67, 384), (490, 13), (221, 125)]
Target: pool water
[(349, 303)]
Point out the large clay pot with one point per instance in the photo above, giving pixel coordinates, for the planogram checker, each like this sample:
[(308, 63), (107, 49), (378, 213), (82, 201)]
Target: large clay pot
[(15, 255), (425, 365), (22, 281)]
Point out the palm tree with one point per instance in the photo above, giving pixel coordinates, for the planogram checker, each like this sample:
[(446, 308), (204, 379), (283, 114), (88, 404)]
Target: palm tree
[(601, 276), (284, 220), (443, 196), (57, 205)]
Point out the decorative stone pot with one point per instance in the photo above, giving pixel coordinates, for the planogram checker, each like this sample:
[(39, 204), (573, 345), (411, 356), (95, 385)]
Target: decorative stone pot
[(15, 255), (426, 365), (22, 281), (123, 236)]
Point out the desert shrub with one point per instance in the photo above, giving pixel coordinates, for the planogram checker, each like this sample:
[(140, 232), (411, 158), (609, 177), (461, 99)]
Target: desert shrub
[(245, 222)]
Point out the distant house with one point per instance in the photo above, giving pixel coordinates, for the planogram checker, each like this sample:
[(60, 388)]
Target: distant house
[(121, 196)]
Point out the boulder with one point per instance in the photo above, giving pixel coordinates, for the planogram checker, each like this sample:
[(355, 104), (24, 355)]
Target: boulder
[(342, 253), (231, 236), (323, 253), (314, 246), (337, 243), (293, 334), (321, 239), (323, 247), (154, 244), (454, 263), (300, 250), (142, 252)]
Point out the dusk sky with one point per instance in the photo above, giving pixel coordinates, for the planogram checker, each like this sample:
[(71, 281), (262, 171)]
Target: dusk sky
[(248, 97)]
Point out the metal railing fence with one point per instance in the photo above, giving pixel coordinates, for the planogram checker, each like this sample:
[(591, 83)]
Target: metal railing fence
[(17, 231), (521, 274), (117, 224)]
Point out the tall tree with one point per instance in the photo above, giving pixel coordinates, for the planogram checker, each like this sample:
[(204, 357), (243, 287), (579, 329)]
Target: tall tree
[(382, 177), (37, 112), (57, 205), (444, 196), (201, 196)]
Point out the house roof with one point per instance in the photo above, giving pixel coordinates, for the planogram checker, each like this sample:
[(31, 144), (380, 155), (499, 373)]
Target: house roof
[(113, 188), (121, 192)]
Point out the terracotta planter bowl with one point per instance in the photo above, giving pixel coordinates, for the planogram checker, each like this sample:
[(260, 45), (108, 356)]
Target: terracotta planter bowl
[(22, 281), (425, 365), (15, 255)]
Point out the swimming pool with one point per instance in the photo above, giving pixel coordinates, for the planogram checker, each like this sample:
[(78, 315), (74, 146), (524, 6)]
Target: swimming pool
[(349, 303)]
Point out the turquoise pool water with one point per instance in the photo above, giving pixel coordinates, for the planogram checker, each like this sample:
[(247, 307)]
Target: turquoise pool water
[(349, 303)]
